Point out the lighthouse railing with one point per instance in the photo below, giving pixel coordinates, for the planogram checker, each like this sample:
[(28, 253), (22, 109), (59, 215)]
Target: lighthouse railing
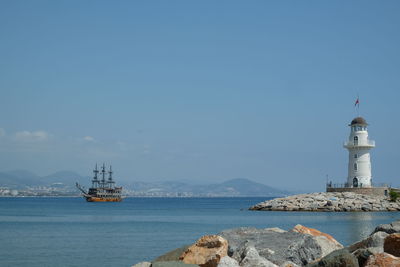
[(346, 185), (359, 143)]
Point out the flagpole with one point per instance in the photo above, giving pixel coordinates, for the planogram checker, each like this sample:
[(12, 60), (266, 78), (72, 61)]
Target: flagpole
[(358, 106)]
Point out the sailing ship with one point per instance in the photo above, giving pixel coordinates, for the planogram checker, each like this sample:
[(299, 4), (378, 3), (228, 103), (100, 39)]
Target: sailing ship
[(102, 190)]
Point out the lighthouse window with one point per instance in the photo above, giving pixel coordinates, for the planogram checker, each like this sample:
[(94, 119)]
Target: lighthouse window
[(355, 140), (355, 166)]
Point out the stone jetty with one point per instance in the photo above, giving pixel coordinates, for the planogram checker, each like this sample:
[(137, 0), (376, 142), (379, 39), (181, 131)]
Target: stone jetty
[(333, 201), (274, 247)]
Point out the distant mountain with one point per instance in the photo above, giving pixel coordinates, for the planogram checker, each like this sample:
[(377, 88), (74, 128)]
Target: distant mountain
[(234, 187), (19, 179), (65, 177), (244, 187), (65, 181)]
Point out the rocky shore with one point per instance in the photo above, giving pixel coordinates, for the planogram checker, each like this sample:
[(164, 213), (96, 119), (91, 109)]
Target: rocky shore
[(339, 202), (274, 247)]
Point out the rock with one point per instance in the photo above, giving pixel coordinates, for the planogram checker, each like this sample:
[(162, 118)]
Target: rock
[(338, 258), (251, 258), (276, 247), (375, 240), (391, 228), (228, 262), (172, 255), (206, 252), (142, 264), (172, 264), (362, 255), (392, 244), (325, 241), (382, 260)]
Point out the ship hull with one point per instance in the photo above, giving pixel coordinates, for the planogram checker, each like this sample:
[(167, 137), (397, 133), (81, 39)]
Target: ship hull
[(99, 199)]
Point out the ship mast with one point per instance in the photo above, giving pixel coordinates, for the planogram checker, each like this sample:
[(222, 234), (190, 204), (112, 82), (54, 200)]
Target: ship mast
[(110, 180), (95, 181), (103, 173)]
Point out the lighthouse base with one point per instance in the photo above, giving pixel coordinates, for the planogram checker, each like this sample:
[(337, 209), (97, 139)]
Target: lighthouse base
[(371, 191)]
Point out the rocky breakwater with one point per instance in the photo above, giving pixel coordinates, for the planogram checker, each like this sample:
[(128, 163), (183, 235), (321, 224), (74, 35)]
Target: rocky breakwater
[(273, 247), (345, 201), (250, 247)]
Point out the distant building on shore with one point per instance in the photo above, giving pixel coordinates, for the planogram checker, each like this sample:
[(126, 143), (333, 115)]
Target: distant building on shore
[(359, 177)]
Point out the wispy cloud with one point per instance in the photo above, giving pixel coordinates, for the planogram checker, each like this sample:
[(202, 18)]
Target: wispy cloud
[(31, 136), (89, 139)]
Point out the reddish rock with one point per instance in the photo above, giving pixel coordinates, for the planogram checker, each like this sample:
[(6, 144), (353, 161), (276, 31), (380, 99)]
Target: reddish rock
[(314, 232), (382, 260), (392, 244), (206, 252)]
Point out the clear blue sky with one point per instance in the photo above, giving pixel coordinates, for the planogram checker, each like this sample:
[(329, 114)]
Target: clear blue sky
[(199, 91)]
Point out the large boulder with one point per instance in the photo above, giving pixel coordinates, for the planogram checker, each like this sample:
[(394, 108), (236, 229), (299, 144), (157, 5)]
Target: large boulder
[(324, 240), (373, 241), (338, 258), (275, 246), (382, 260), (206, 252), (391, 228), (392, 244)]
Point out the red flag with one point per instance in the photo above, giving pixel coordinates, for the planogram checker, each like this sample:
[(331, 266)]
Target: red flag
[(357, 102)]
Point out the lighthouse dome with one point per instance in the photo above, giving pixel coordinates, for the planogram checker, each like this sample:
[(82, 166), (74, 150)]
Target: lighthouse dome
[(359, 121)]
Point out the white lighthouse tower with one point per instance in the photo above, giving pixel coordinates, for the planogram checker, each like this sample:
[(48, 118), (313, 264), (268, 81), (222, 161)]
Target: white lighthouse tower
[(359, 170)]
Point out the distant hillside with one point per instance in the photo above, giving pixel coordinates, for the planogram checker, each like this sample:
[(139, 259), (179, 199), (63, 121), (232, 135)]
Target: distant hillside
[(234, 187), (65, 177), (245, 187), (65, 182), (20, 179)]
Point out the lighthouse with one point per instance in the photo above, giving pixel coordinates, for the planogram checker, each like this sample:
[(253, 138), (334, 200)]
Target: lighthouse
[(358, 145)]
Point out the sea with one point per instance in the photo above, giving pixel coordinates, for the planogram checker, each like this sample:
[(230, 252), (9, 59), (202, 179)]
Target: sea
[(39, 232)]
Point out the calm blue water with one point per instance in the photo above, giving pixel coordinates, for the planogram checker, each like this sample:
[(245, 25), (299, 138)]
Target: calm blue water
[(71, 232)]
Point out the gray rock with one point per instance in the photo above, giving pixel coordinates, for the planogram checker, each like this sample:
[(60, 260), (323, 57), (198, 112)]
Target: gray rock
[(228, 262), (326, 245), (363, 254), (338, 258), (142, 264), (375, 240), (251, 258), (391, 228), (172, 264), (173, 255), (276, 247)]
